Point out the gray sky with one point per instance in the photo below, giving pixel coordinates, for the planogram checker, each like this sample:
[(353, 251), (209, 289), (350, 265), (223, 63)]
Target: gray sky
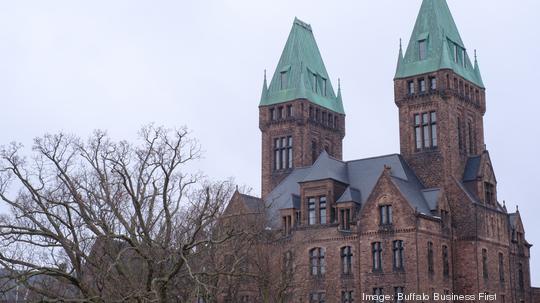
[(116, 65)]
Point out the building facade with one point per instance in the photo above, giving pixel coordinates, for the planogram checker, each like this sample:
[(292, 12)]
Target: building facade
[(425, 221)]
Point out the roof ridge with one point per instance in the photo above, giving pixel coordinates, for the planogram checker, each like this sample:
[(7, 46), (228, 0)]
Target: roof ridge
[(374, 157)]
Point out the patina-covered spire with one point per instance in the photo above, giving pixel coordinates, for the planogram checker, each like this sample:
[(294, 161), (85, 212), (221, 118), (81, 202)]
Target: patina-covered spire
[(264, 92), (300, 73), (400, 58), (436, 44), (477, 69)]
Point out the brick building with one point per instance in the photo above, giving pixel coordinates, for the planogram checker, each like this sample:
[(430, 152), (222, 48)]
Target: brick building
[(426, 220)]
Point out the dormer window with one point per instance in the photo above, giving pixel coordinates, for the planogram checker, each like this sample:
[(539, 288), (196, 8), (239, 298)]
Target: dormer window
[(456, 53), (283, 80), (489, 190), (315, 84), (324, 87), (312, 215), (422, 49), (463, 56)]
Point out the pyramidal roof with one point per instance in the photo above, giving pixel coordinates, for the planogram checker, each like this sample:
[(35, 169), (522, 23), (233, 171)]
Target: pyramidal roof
[(436, 28), (301, 74)]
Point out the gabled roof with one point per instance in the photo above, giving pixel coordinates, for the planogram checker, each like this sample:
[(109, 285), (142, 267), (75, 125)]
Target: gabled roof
[(301, 63), (350, 195), (361, 177), (436, 26), (253, 204), (327, 167), (431, 196)]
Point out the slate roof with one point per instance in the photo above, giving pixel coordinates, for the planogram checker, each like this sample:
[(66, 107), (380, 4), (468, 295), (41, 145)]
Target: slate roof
[(471, 168), (300, 61), (254, 204), (360, 176), (350, 195), (436, 26)]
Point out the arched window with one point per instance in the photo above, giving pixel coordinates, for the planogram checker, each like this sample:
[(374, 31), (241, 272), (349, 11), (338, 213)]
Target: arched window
[(288, 263), (398, 254), (316, 260), (376, 251), (346, 260)]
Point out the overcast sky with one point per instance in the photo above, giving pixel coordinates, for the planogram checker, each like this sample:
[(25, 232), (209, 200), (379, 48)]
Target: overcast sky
[(116, 65)]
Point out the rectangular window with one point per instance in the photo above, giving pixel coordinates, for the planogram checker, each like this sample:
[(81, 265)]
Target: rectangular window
[(324, 87), (376, 252), (433, 83), (410, 87), (311, 211), (290, 152), (417, 132), (345, 219), (273, 115), (289, 111), (422, 49), (317, 297), (470, 139), (446, 263), (322, 210), (430, 258), (398, 254), (378, 293), (283, 153), (433, 117), (315, 84), (489, 193), (280, 113), (460, 136), (283, 80), (463, 56), (347, 296), (425, 126), (456, 53), (398, 294), (501, 268), (346, 260), (485, 273), (422, 85), (385, 212)]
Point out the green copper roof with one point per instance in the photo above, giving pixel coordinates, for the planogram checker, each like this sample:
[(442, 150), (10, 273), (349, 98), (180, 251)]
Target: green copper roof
[(437, 28), (300, 73)]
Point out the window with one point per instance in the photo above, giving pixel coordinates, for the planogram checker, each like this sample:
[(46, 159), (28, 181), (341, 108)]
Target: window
[(315, 84), (311, 211), (417, 132), (425, 126), (331, 120), (283, 80), (287, 225), (273, 115), (433, 117), (485, 273), (322, 210), (398, 254), (410, 87), (347, 296), (317, 297), (283, 153), (430, 257), (398, 294), (446, 264), (385, 212), (470, 137), (501, 268), (422, 49), (425, 130), (460, 136), (289, 111), (345, 219), (489, 193), (346, 260), (463, 56), (422, 85), (324, 118), (456, 53), (432, 83), (281, 113), (316, 256), (376, 250), (311, 116), (378, 293), (314, 151), (298, 220), (521, 281), (324, 87), (317, 115)]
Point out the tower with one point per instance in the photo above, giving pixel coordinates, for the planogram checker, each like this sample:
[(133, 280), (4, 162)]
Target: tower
[(299, 113), (440, 96)]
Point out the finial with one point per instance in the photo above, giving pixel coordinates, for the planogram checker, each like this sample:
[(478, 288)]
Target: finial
[(265, 74), (236, 187), (517, 207), (400, 43), (475, 57), (338, 83), (504, 203)]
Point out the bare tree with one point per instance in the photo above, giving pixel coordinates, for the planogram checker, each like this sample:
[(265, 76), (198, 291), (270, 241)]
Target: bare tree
[(110, 221)]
